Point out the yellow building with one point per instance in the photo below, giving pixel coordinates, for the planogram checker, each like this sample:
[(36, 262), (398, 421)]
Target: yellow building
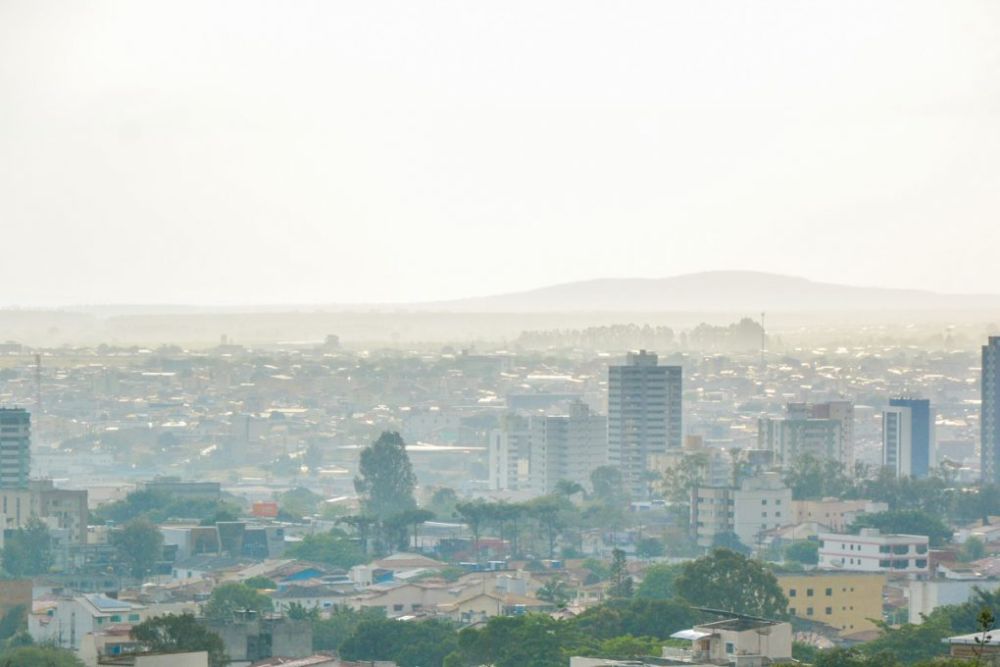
[(850, 602)]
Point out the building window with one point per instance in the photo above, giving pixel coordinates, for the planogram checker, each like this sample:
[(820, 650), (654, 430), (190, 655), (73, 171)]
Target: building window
[(809, 611), (730, 648), (829, 610), (809, 592), (791, 592), (397, 607), (829, 592)]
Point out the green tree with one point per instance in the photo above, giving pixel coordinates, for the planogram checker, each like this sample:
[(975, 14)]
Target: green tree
[(908, 522), (299, 612), (531, 640), (475, 514), (386, 481), (402, 523), (608, 486), (599, 570), (13, 622), (972, 549), (138, 546), (28, 551), (730, 540), (39, 656), (679, 480), (423, 644), (636, 617), (443, 502), (550, 512), (565, 487), (658, 581), (627, 646), (810, 477), (621, 582), (329, 633), (556, 591), (729, 581), (232, 597), (299, 502), (650, 547), (805, 552), (180, 634), (260, 583), (331, 548)]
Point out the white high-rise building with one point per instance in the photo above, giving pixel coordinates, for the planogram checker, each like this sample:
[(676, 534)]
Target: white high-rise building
[(824, 431), (644, 415), (575, 445), (760, 504), (531, 454), (514, 455)]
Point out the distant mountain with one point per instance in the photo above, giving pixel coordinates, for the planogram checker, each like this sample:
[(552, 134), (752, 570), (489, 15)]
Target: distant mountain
[(726, 291)]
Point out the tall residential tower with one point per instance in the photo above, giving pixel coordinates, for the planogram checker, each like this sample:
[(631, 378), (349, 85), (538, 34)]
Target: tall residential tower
[(644, 415), (908, 437), (989, 442), (15, 448)]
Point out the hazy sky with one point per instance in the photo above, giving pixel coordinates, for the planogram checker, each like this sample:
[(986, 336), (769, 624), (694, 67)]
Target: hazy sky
[(332, 151)]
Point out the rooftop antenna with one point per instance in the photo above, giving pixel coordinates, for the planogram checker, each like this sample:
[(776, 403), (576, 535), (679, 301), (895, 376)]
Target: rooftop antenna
[(38, 384), (763, 341)]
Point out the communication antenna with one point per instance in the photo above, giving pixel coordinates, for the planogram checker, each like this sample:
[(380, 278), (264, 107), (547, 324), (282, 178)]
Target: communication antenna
[(763, 341), (38, 384)]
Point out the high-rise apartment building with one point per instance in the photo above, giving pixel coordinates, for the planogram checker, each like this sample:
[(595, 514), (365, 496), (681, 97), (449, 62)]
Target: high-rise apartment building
[(575, 445), (989, 422), (514, 454), (824, 431), (908, 437), (15, 448), (644, 415), (531, 454), (759, 504)]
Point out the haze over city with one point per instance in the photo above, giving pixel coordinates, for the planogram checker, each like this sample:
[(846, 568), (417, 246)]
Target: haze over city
[(212, 153), (499, 334)]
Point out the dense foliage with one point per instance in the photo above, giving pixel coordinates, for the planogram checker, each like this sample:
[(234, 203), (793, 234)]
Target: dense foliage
[(727, 580), (158, 507), (27, 551), (138, 546), (232, 597), (39, 656), (180, 634), (332, 548)]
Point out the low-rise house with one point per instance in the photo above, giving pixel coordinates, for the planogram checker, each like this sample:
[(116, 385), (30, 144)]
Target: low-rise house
[(745, 641), (397, 599), (479, 607), (67, 621), (321, 597), (190, 659), (835, 514), (974, 645)]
